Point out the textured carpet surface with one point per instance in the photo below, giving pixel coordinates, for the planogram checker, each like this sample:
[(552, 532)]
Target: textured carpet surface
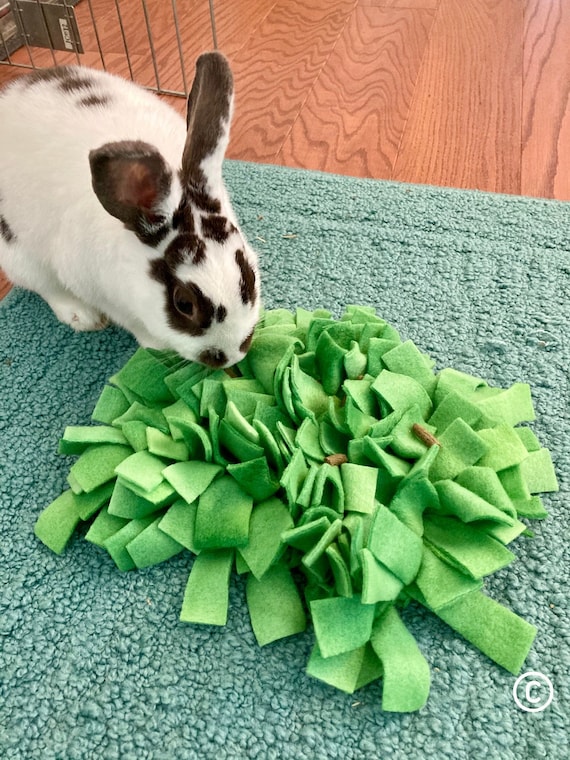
[(94, 663)]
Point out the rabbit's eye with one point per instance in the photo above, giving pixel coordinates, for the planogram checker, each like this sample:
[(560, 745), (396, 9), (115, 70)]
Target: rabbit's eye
[(185, 307), (183, 304), (190, 310)]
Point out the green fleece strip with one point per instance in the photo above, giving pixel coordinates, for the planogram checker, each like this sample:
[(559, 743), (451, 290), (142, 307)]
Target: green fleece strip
[(341, 624), (359, 487), (77, 438), (348, 671), (268, 521), (206, 597), (275, 608), (378, 583), (538, 472), (116, 544), (112, 403), (162, 445), (511, 406), (179, 522), (57, 523), (400, 392), (97, 465), (222, 519), (126, 503), (407, 359), (395, 545), (190, 479), (496, 631), (467, 547), (103, 527), (144, 374), (143, 470), (152, 546), (441, 583), (406, 676)]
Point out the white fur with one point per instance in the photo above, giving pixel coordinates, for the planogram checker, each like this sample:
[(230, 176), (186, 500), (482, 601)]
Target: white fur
[(78, 257)]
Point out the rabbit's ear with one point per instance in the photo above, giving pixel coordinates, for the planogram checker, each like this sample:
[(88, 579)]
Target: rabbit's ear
[(208, 119), (131, 179)]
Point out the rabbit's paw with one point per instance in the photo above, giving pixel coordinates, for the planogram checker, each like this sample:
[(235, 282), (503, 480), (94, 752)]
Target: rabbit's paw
[(78, 315)]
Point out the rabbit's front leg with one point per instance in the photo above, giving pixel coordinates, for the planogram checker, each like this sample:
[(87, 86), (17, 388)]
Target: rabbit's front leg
[(73, 312)]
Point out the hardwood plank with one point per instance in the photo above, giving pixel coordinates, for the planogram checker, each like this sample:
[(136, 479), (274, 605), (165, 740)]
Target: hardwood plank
[(355, 114), (9, 73), (115, 62), (430, 5), (276, 70), (546, 99), (465, 119), (238, 23), (5, 285)]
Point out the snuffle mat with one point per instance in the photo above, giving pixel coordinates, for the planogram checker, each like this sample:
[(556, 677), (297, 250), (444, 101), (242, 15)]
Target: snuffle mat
[(338, 471)]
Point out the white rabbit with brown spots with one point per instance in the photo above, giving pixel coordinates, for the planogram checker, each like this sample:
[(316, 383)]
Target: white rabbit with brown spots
[(112, 208)]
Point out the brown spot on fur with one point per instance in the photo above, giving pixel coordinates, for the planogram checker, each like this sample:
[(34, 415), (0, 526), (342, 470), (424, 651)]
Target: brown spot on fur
[(200, 198), (68, 78), (75, 84), (187, 308), (217, 227), (221, 313), (53, 74), (95, 100), (247, 280), (183, 218), (245, 346), (185, 248), (6, 231)]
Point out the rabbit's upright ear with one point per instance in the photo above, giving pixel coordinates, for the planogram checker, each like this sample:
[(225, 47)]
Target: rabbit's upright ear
[(210, 105), (131, 180)]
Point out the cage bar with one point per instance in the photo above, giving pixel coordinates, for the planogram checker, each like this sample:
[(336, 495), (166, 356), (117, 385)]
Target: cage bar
[(87, 26)]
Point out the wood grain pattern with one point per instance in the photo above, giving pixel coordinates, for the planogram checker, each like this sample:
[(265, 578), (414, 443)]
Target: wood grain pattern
[(354, 117), (5, 286), (275, 73), (430, 5), (546, 99), (465, 119), (464, 93)]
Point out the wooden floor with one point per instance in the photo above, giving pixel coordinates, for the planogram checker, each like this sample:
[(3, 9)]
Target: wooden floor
[(460, 93)]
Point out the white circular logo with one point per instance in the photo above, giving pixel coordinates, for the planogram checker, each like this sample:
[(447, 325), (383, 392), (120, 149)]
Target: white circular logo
[(533, 691)]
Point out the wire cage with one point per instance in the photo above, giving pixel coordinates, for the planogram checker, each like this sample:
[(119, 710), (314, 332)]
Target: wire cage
[(152, 42)]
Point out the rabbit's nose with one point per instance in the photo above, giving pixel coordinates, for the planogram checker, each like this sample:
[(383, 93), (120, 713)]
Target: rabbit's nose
[(213, 357)]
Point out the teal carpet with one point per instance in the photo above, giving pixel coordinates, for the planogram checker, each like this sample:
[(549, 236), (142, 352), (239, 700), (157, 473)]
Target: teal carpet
[(94, 663)]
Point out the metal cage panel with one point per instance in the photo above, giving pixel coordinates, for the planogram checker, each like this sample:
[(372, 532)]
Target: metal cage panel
[(148, 41)]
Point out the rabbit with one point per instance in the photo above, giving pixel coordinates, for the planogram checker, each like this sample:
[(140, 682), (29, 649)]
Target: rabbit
[(111, 208)]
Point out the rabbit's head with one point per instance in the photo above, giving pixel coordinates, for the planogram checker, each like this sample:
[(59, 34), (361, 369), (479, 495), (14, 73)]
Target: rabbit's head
[(204, 272)]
